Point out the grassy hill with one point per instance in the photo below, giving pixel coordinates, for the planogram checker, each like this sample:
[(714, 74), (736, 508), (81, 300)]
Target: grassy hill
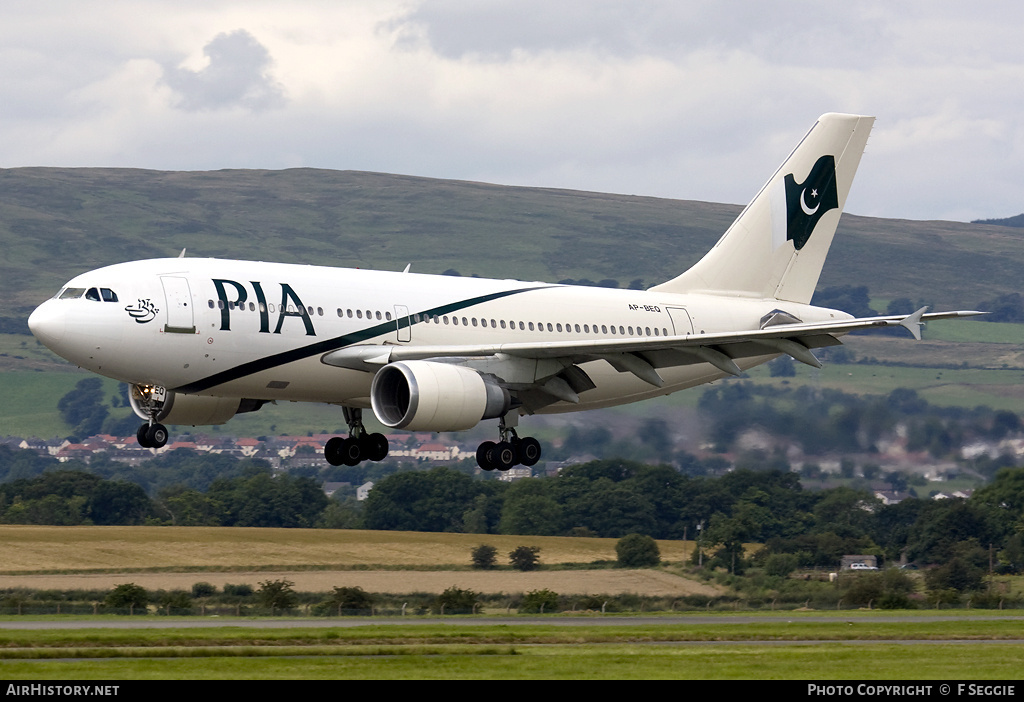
[(56, 223)]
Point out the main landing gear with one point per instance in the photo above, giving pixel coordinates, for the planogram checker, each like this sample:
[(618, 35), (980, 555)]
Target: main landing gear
[(359, 446), (509, 451)]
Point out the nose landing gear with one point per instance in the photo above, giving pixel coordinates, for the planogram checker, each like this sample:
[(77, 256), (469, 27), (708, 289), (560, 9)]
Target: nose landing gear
[(148, 402), (358, 446)]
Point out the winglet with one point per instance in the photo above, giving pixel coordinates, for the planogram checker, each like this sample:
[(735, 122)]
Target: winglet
[(182, 254), (913, 323)]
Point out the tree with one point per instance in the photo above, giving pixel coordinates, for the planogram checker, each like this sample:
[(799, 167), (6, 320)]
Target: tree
[(539, 601), (128, 596), (353, 600), (525, 558), (431, 500), (276, 594), (455, 600), (484, 556), (781, 564), (637, 551), (83, 407), (203, 589)]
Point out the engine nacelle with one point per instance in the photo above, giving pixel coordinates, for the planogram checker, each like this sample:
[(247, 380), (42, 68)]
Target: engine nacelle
[(431, 396), (176, 408)]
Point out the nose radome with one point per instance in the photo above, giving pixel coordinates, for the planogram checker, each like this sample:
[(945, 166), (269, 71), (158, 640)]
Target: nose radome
[(47, 323)]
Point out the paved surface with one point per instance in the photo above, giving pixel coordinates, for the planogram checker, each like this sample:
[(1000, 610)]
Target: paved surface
[(582, 620)]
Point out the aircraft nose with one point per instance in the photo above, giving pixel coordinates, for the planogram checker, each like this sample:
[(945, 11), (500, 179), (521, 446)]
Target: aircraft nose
[(47, 324)]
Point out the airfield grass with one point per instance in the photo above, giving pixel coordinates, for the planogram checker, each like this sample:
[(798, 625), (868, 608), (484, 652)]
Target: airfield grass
[(724, 650)]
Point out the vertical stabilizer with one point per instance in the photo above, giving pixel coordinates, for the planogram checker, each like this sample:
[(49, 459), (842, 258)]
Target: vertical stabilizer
[(777, 246)]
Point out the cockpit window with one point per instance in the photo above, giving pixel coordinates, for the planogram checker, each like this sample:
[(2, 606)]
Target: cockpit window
[(94, 294), (71, 293)]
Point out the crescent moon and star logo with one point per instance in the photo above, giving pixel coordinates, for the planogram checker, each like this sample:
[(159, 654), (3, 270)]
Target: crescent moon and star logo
[(806, 202), (144, 312)]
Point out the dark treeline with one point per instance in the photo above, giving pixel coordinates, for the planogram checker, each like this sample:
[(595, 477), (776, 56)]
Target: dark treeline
[(610, 498), (183, 488)]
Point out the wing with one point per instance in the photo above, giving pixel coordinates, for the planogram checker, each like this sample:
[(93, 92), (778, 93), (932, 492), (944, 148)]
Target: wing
[(552, 366)]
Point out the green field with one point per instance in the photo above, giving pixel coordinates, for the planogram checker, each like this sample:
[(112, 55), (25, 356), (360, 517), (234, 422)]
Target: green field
[(856, 648)]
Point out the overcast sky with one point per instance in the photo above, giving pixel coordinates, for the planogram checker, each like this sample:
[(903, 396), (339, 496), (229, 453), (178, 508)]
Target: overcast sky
[(691, 100)]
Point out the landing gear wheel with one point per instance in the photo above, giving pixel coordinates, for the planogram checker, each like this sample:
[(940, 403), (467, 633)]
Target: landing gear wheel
[(529, 451), (332, 451), (142, 436), (156, 435), (351, 452), (484, 455), (504, 456), (375, 447)]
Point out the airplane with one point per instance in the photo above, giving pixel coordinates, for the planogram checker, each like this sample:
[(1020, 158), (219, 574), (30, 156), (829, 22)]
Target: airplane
[(201, 340)]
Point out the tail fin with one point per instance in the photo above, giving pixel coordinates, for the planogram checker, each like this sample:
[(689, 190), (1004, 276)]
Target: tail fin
[(777, 246)]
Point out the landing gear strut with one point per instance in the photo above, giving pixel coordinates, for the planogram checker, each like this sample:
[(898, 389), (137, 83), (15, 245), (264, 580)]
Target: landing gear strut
[(359, 446), (509, 451), (148, 402)]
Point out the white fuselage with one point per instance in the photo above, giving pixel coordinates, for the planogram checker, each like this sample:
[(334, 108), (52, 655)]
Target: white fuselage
[(258, 330)]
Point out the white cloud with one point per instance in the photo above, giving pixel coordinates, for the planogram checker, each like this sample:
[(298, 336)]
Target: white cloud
[(693, 100)]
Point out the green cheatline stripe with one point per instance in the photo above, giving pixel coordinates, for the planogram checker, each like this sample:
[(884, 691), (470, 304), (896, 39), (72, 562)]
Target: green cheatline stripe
[(321, 347)]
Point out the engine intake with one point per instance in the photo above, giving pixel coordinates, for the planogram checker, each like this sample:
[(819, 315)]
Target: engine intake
[(431, 396)]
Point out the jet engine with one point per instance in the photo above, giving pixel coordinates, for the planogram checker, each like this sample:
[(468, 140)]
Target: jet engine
[(175, 408), (431, 396)]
